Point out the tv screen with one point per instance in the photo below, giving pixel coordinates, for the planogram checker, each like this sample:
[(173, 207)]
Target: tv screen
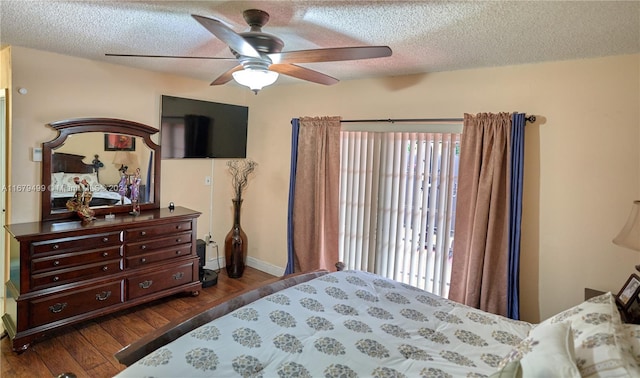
[(202, 129)]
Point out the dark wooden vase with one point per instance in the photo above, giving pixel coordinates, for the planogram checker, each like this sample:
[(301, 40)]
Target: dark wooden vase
[(235, 245)]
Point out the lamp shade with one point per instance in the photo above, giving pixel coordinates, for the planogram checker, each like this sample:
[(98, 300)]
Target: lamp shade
[(256, 79), (629, 236), (126, 158)]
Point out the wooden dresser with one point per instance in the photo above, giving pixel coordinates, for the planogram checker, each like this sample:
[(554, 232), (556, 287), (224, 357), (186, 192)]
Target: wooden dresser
[(65, 272)]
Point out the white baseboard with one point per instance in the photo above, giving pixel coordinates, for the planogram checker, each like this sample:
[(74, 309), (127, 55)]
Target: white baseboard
[(252, 262), (265, 267)]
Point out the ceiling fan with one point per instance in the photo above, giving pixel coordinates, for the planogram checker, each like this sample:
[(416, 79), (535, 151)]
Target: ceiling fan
[(261, 58)]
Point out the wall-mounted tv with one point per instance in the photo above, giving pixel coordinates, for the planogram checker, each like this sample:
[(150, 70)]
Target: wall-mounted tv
[(202, 129)]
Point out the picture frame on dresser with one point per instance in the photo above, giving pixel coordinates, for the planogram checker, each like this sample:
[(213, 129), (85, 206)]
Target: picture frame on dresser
[(629, 292)]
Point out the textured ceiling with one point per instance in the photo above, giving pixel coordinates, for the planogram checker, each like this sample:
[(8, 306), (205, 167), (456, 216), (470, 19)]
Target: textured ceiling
[(425, 36)]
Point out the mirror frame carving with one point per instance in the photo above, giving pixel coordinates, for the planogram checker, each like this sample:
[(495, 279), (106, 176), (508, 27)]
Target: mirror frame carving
[(105, 125)]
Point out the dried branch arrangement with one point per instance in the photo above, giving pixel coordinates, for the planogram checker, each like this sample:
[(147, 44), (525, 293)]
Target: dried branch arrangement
[(240, 171)]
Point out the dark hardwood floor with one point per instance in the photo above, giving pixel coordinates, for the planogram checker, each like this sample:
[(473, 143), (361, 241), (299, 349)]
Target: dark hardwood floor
[(87, 349)]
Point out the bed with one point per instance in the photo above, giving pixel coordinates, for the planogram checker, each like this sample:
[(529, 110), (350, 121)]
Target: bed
[(357, 324), (64, 167)]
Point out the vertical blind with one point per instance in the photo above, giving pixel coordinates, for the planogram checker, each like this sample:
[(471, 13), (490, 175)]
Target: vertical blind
[(397, 205)]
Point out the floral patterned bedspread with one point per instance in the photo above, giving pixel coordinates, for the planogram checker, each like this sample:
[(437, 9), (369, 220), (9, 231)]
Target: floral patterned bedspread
[(343, 324)]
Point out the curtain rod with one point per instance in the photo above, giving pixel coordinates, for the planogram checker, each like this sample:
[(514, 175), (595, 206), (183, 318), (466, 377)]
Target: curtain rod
[(530, 118)]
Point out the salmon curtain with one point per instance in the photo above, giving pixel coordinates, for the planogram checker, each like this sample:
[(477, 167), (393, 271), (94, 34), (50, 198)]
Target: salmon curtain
[(314, 195), (480, 272)]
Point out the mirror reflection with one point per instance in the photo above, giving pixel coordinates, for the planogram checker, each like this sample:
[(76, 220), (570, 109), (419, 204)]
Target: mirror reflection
[(117, 168)]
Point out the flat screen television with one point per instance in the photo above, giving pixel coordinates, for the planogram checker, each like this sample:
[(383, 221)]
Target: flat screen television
[(202, 129)]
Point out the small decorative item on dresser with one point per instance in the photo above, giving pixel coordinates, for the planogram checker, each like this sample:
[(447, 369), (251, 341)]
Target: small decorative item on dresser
[(81, 200), (235, 243), (135, 193)]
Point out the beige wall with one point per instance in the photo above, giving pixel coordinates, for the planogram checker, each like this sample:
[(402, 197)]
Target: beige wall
[(5, 85), (582, 155)]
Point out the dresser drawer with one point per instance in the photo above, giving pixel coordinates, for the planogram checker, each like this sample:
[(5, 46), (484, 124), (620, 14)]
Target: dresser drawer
[(157, 281), (142, 233), (132, 249), (57, 307), (165, 254), (61, 276), (66, 260), (76, 243)]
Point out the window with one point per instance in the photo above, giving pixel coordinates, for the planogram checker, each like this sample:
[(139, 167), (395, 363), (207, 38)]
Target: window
[(397, 205)]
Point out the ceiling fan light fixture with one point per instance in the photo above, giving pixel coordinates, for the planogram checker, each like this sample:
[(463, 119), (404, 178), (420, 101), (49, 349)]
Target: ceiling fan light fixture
[(261, 58), (255, 79)]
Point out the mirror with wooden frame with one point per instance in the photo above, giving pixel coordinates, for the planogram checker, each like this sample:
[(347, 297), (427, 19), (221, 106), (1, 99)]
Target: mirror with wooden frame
[(107, 152)]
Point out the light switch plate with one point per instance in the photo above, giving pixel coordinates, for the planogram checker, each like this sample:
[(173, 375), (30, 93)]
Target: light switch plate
[(37, 154)]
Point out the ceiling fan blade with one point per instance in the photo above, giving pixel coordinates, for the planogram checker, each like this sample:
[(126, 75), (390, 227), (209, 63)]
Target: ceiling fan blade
[(227, 76), (228, 36), (169, 56), (303, 73), (331, 54)]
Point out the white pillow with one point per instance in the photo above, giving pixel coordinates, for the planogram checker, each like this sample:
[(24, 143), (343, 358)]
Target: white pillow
[(600, 346), (546, 352), (64, 181), (56, 179), (632, 332)]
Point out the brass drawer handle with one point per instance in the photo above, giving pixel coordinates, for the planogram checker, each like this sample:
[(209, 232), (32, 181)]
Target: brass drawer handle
[(58, 307), (143, 247), (178, 276), (105, 254), (103, 296), (143, 233), (145, 284), (56, 279), (105, 239), (56, 263), (105, 268), (143, 260)]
